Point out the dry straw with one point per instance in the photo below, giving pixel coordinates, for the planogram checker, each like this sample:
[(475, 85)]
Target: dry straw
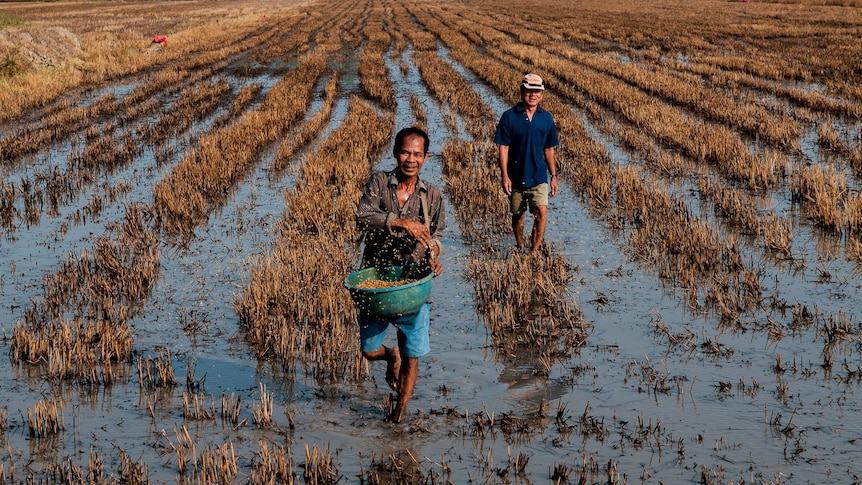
[(627, 76), (319, 468), (114, 50), (283, 320), (158, 371), (372, 70), (204, 178), (231, 407), (45, 418), (262, 411), (686, 256), (272, 465), (195, 407), (300, 136), (522, 312)]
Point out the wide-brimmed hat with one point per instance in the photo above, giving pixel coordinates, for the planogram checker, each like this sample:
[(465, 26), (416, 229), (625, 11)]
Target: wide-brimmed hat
[(533, 81)]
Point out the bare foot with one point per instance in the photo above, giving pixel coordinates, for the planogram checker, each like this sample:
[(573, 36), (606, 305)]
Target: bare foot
[(395, 418), (393, 367)]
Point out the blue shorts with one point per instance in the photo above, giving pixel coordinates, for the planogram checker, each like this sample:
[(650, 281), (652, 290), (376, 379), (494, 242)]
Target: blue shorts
[(415, 326)]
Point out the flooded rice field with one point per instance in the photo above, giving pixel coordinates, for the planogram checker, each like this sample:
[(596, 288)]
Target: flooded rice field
[(176, 227)]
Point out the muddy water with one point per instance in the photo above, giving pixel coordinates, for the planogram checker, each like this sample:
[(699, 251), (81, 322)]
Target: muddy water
[(661, 412)]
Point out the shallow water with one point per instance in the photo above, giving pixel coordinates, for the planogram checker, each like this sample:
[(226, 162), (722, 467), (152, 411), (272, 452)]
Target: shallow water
[(661, 413)]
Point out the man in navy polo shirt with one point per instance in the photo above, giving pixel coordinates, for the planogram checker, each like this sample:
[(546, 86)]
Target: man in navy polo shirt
[(527, 137)]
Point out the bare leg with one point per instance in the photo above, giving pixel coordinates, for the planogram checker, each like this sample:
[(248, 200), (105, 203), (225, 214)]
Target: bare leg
[(518, 229), (409, 373), (393, 367), (393, 363), (406, 383), (540, 214)]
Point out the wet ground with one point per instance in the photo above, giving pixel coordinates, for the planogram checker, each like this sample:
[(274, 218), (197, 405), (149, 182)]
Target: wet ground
[(709, 404)]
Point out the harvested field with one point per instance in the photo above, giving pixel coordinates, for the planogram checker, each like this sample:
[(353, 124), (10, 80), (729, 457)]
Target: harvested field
[(176, 222)]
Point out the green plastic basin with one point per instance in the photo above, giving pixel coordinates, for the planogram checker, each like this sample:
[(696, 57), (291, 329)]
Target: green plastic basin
[(390, 302)]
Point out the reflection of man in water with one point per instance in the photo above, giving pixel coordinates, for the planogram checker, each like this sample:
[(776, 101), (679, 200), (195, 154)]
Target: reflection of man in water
[(404, 218), (527, 136)]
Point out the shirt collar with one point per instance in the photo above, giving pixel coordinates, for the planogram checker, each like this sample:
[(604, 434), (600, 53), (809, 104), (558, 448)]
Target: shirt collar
[(393, 180), (519, 108)]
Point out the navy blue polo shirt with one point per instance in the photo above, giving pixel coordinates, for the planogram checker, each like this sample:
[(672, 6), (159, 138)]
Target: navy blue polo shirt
[(527, 141)]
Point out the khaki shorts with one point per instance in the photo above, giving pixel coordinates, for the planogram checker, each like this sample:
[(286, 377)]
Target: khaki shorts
[(533, 197)]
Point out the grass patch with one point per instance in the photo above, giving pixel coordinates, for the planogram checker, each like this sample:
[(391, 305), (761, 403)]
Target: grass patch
[(8, 67), (7, 20)]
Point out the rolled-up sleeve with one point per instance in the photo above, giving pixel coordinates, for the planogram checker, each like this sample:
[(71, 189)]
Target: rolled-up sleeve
[(438, 218)]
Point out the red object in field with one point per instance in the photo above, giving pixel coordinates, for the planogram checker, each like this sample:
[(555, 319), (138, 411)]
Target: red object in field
[(160, 39)]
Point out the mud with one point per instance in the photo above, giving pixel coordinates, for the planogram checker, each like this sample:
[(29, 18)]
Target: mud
[(661, 392)]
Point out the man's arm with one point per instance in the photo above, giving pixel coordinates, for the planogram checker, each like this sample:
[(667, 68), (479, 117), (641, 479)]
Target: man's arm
[(438, 221), (550, 158), (438, 225), (415, 229), (504, 169), (428, 235)]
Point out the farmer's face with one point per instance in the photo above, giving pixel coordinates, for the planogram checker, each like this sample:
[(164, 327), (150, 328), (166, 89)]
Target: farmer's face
[(411, 156), (531, 97)]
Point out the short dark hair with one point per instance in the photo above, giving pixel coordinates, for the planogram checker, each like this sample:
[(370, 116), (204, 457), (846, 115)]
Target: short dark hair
[(404, 133)]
